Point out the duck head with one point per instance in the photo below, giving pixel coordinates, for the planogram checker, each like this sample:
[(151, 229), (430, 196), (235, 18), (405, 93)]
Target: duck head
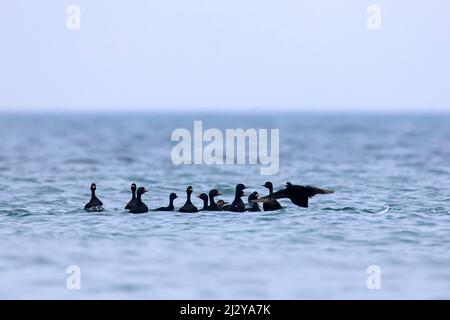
[(221, 203), (173, 196), (253, 196), (203, 196), (141, 191), (240, 187), (268, 185), (214, 193)]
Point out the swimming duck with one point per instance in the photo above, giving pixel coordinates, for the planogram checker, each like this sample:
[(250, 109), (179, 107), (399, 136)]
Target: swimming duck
[(299, 195), (237, 205), (139, 206), (94, 205), (213, 206), (254, 207), (170, 207), (204, 197), (132, 202), (221, 203), (188, 206), (272, 204)]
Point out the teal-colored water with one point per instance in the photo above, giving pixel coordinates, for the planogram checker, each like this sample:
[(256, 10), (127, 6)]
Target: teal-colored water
[(391, 174)]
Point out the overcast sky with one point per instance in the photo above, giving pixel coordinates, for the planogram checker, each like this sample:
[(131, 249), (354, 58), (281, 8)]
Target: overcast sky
[(224, 55)]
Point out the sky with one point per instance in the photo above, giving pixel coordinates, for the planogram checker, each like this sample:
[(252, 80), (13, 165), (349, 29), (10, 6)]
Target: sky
[(171, 55)]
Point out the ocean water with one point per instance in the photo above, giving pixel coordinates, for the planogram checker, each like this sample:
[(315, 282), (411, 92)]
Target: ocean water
[(391, 208)]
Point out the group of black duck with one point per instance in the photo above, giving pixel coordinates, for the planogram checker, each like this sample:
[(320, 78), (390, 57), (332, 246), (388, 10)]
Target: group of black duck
[(299, 195)]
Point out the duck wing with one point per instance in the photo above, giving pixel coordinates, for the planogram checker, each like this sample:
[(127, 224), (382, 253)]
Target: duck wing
[(280, 194), (311, 191), (300, 195)]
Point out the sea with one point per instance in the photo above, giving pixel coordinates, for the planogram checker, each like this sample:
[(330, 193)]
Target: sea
[(383, 234)]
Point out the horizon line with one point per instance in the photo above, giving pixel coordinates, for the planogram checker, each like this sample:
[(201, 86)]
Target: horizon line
[(233, 111)]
